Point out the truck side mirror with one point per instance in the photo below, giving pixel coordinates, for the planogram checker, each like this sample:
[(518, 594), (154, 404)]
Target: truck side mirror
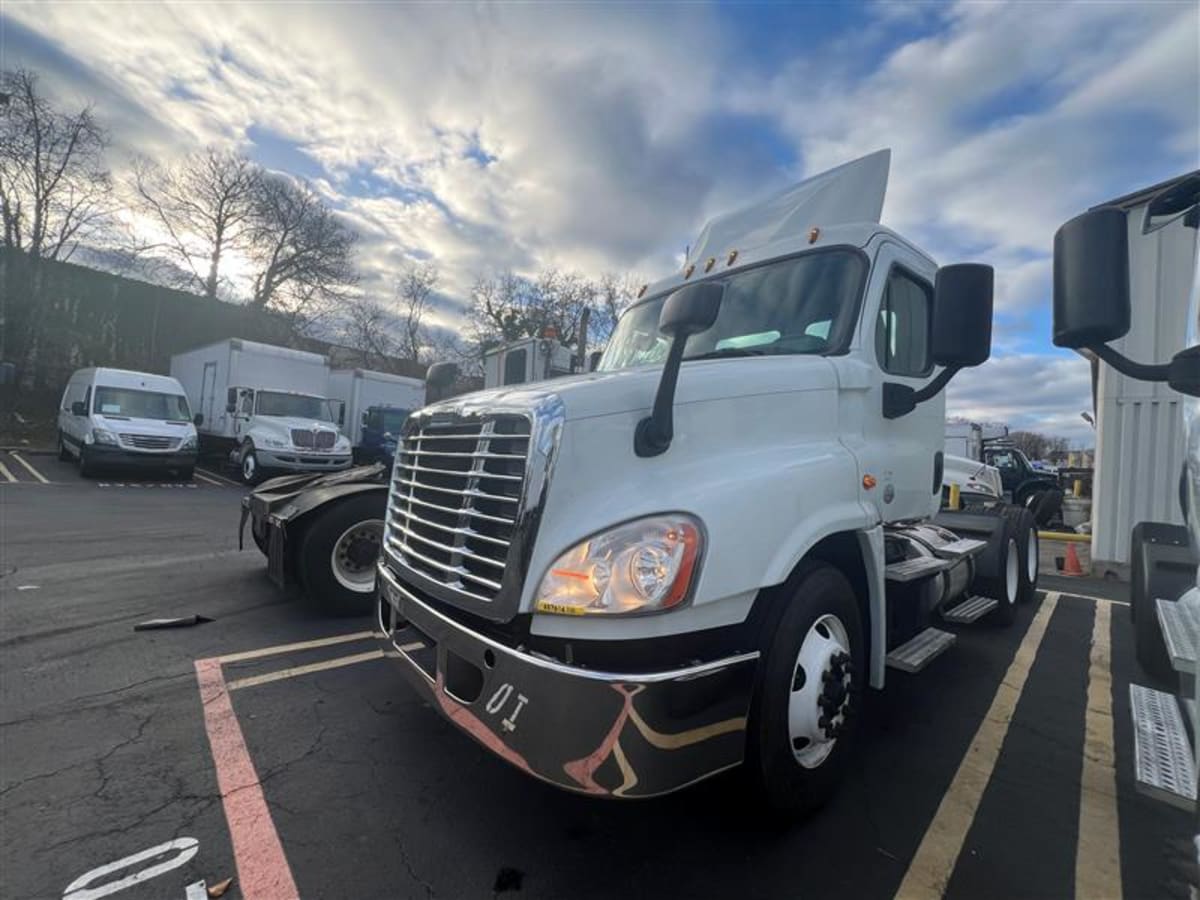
[(362, 420), (960, 334), (441, 375), (962, 315), (594, 359), (231, 407), (1091, 279), (78, 408), (689, 310), (198, 419)]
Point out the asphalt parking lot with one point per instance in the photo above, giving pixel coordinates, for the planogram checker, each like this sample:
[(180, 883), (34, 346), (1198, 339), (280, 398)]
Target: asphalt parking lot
[(281, 749)]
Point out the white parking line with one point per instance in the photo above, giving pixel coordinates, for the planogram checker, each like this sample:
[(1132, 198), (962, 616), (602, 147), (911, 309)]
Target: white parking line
[(32, 471), (931, 867), (220, 478), (302, 645), (207, 480), (303, 670), (7, 474)]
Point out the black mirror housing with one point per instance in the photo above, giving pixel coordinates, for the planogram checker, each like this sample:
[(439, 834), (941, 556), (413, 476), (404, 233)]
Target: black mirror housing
[(594, 360), (198, 419), (1091, 279), (230, 407), (441, 375), (962, 315), (78, 408), (1183, 372), (691, 309)]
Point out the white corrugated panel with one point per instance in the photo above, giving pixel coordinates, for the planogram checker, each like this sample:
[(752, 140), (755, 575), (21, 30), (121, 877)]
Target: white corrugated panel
[(1139, 432)]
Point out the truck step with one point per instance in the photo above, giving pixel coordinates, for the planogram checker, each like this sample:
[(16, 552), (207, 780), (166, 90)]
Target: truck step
[(960, 548), (918, 652), (1181, 634), (917, 567), (1163, 760), (970, 610)]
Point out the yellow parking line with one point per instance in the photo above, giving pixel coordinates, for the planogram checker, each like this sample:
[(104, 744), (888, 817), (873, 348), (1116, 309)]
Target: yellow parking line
[(1098, 853), (931, 867), (302, 645), (304, 670), (7, 474), (32, 471)]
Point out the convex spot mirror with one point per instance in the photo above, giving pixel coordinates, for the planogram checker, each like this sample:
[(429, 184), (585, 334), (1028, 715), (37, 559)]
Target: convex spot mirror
[(962, 315), (1091, 279)]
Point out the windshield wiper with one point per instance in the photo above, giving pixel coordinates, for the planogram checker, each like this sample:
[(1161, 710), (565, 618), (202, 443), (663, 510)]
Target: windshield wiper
[(726, 352)]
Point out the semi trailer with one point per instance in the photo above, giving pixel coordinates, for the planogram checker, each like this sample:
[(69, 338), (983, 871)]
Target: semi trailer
[(701, 555)]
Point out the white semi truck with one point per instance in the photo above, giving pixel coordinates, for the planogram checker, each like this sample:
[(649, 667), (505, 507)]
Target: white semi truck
[(701, 555), (264, 407)]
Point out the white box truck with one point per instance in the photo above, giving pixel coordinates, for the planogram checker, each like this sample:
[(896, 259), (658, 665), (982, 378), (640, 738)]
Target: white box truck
[(701, 555), (265, 407), (372, 407)]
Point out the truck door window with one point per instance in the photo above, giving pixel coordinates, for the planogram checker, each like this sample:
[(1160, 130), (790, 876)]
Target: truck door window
[(902, 333), (514, 366)]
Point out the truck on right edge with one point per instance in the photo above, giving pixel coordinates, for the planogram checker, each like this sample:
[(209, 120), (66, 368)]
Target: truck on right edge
[(702, 554)]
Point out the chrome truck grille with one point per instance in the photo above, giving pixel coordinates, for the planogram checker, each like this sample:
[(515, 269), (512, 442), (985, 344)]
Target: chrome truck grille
[(313, 439), (464, 500)]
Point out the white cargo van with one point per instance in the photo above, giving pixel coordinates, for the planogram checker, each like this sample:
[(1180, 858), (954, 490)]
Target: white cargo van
[(263, 405), (116, 417)]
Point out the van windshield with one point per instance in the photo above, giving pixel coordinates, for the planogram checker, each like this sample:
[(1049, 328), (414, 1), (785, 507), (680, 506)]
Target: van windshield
[(794, 306), (299, 406), (135, 404)]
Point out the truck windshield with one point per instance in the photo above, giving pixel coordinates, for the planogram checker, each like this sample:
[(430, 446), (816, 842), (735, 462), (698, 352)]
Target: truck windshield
[(299, 406), (135, 404), (388, 421), (796, 305)]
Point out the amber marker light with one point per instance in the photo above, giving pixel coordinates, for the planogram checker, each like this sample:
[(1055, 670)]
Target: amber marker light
[(869, 481), (813, 234)]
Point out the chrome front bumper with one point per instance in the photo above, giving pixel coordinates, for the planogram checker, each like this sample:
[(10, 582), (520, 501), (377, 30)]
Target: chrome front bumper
[(600, 733)]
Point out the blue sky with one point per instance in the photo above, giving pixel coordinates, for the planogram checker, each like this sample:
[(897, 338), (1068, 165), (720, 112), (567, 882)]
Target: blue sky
[(600, 137)]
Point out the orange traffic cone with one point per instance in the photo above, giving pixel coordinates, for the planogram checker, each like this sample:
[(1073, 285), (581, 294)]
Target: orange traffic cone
[(1071, 565)]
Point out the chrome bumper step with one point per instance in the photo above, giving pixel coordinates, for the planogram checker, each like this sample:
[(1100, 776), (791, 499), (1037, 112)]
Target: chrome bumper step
[(918, 567), (970, 610), (919, 651), (962, 547), (1163, 762)]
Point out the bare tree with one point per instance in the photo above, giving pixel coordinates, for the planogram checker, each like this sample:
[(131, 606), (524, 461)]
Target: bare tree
[(413, 292), (203, 206), (302, 251), (368, 329), (55, 189)]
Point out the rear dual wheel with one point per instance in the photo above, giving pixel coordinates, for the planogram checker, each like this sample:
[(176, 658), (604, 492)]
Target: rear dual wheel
[(338, 553), (1017, 579)]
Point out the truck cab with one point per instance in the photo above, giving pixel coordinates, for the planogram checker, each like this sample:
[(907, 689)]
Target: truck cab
[(381, 427), (285, 431), (701, 554), (1020, 479)]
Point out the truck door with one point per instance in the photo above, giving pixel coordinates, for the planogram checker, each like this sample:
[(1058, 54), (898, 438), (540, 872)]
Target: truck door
[(208, 389), (903, 454)]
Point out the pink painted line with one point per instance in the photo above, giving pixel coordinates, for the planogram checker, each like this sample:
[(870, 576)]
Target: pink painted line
[(263, 871)]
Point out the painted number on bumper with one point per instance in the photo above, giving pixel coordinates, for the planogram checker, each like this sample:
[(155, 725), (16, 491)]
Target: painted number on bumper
[(497, 702)]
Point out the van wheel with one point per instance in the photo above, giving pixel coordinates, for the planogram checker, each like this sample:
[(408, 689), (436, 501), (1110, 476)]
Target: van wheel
[(338, 553), (63, 453), (251, 474), (86, 468), (804, 717)]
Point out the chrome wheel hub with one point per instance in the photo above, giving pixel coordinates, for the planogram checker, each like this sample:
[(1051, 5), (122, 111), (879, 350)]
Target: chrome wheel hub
[(355, 553), (820, 691)]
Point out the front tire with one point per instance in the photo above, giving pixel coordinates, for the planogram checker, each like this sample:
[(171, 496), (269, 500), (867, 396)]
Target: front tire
[(250, 472), (64, 454), (86, 467), (338, 553), (804, 717)]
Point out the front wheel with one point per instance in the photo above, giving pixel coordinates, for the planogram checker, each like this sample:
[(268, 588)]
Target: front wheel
[(86, 468), (63, 453), (251, 474), (338, 554), (804, 717)]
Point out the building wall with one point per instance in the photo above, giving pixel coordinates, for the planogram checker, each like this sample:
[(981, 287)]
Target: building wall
[(1139, 433)]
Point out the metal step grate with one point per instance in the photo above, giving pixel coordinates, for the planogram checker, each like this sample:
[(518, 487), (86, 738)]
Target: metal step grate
[(918, 652), (917, 567), (1163, 762), (960, 548), (1181, 634), (970, 610)]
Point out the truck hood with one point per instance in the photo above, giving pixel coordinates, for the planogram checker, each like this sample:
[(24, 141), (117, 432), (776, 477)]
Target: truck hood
[(287, 423), (608, 393), (153, 427)]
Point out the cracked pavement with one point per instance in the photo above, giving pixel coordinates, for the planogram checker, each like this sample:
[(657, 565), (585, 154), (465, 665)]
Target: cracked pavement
[(103, 751)]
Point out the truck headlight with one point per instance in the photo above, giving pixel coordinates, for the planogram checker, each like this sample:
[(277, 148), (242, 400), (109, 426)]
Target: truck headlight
[(274, 442), (342, 445), (100, 436), (642, 566), (189, 443)]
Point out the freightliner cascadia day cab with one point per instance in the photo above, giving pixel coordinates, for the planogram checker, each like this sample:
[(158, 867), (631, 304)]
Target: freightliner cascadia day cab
[(700, 555), (263, 406), (372, 407), (113, 417)]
